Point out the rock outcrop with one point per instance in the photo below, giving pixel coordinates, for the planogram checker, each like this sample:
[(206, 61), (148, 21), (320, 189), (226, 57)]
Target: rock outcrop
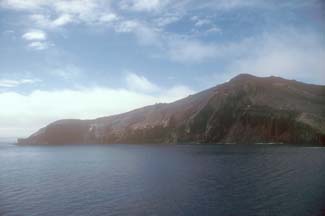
[(247, 109)]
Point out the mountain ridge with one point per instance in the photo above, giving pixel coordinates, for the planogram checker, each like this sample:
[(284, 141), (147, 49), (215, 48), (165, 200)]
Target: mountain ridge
[(246, 109)]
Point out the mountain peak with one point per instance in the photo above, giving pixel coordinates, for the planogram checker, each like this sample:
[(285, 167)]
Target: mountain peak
[(249, 77), (243, 76)]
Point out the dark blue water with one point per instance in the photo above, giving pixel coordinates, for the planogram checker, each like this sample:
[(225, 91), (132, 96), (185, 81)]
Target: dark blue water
[(162, 180)]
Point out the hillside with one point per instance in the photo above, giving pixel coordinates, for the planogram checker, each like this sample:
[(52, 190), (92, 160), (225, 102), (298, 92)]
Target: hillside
[(247, 109)]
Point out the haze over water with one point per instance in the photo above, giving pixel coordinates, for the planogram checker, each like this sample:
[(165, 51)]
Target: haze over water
[(162, 180)]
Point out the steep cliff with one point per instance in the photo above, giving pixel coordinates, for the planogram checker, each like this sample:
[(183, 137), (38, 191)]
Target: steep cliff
[(247, 109)]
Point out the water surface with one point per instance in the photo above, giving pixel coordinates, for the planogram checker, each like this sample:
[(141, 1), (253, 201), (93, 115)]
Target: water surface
[(162, 180)]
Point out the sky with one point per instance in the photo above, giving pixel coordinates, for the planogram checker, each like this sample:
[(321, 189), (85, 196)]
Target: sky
[(91, 58)]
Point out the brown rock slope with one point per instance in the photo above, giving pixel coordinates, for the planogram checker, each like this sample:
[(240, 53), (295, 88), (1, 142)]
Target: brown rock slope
[(247, 109)]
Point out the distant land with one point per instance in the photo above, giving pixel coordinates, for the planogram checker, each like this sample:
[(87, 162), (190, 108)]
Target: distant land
[(245, 110)]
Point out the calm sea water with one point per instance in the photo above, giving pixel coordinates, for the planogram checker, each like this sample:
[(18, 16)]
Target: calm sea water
[(162, 180)]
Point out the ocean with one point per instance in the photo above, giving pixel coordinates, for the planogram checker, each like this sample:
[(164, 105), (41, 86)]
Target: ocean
[(225, 180)]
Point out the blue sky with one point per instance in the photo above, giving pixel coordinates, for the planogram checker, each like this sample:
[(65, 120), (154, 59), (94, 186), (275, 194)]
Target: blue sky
[(89, 58)]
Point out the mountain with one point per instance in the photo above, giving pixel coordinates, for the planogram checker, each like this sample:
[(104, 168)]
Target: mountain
[(247, 109)]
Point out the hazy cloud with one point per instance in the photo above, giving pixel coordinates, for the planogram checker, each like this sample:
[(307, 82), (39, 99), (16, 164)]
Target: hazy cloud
[(190, 51), (143, 5), (108, 18), (38, 45), (145, 34), (37, 39), (8, 83), (34, 35)]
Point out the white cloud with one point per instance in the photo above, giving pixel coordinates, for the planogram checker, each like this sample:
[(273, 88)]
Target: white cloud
[(191, 51), (22, 4), (202, 22), (127, 26), (37, 39), (214, 30), (231, 4), (166, 20), (140, 83), (79, 7), (62, 20), (23, 114), (108, 18), (143, 5), (257, 4), (147, 5), (51, 14), (145, 34), (38, 45), (34, 35), (7, 83), (203, 26), (46, 22), (41, 20)]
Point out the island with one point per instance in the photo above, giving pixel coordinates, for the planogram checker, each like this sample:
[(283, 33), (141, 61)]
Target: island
[(245, 110)]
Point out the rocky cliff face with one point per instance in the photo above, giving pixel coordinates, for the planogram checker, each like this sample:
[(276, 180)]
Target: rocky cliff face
[(247, 109)]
